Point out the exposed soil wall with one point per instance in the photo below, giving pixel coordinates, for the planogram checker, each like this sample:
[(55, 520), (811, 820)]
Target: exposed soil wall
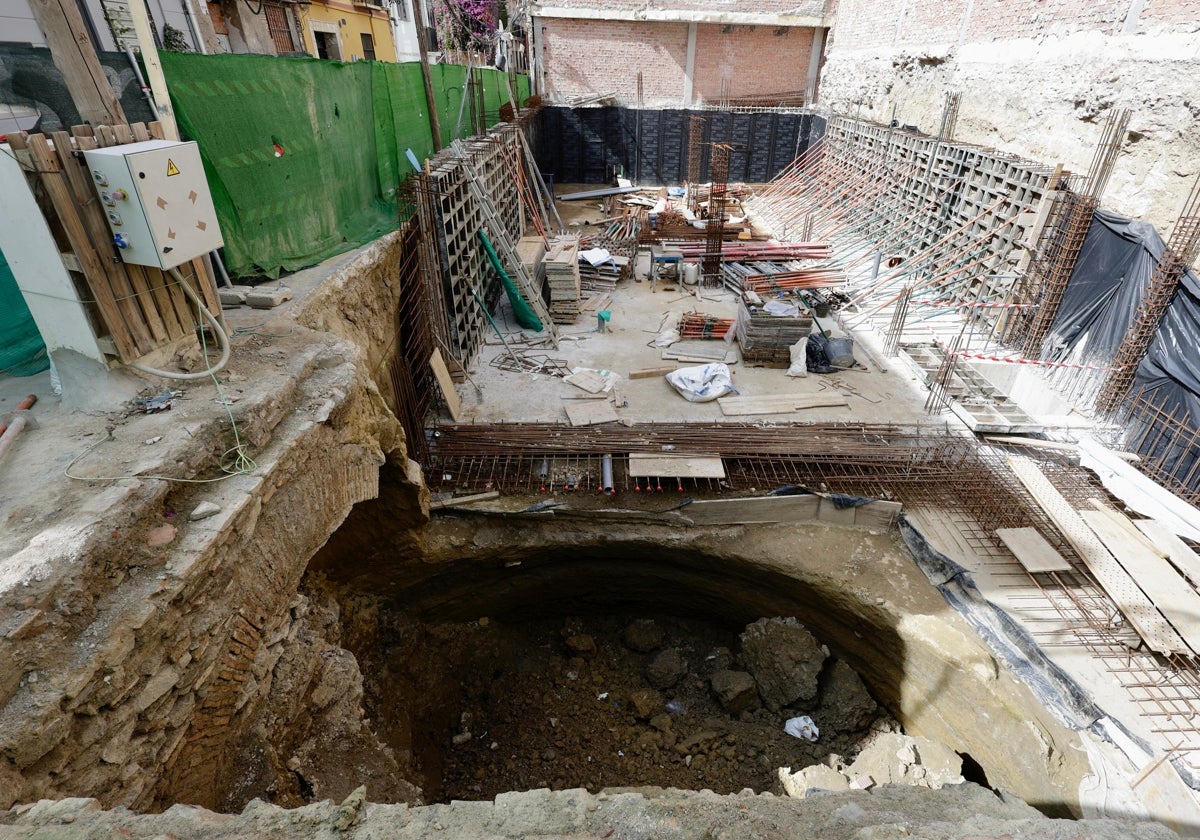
[(1038, 84), (860, 593)]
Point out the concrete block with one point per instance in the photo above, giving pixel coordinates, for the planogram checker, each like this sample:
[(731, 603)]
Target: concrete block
[(233, 296), (268, 298)]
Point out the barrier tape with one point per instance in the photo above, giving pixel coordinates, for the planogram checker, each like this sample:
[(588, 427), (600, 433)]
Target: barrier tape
[(1039, 362), (977, 304)]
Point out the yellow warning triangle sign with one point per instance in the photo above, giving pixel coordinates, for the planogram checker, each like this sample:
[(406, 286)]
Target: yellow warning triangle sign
[(172, 169)]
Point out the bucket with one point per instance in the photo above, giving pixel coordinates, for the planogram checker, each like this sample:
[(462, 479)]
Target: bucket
[(691, 274), (840, 352)]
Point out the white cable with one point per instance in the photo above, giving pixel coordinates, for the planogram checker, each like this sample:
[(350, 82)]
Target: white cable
[(222, 339)]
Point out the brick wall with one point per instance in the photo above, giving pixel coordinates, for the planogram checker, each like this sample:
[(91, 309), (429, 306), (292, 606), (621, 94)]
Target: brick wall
[(754, 59), (586, 57)]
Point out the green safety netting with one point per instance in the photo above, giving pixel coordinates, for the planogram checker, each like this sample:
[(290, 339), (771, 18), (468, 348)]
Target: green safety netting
[(22, 351), (304, 156)]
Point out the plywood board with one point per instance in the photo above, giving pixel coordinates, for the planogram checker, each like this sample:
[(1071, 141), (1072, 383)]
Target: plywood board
[(778, 403), (1176, 550), (643, 465), (762, 509), (1157, 578), (446, 384), (590, 412), (588, 380), (1032, 550), (1141, 613)]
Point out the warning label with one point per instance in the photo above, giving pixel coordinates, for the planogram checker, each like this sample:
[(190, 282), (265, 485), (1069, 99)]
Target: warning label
[(172, 169)]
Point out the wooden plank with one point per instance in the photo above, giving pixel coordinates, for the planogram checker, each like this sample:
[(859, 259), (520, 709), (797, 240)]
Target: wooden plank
[(141, 318), (763, 509), (643, 465), (1141, 613), (828, 511), (778, 404), (650, 373), (464, 500), (1175, 549), (179, 301), (1174, 598), (140, 132), (590, 412), (123, 133), (446, 384), (1032, 550), (879, 514), (73, 54), (56, 185)]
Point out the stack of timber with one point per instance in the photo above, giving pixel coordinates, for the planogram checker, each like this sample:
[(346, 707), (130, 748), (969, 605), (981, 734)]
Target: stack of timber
[(603, 277), (561, 266), (530, 251), (766, 339)]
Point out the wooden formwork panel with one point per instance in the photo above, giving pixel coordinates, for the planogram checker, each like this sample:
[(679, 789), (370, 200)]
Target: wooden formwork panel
[(459, 218), (967, 202)]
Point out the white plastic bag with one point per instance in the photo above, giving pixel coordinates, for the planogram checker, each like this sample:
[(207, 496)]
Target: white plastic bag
[(702, 383), (802, 727)]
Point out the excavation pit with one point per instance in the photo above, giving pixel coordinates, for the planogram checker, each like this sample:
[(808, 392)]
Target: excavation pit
[(495, 656)]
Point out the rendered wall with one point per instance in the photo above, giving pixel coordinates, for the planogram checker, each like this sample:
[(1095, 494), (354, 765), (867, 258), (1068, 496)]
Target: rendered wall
[(358, 21)]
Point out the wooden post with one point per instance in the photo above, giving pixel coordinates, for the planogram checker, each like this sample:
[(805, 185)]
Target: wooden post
[(434, 126), (154, 73), (75, 57)]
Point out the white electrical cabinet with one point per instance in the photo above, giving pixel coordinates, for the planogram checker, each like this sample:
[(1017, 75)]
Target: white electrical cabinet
[(157, 201)]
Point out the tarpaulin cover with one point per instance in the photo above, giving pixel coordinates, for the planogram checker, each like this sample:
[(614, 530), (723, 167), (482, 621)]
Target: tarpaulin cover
[(22, 351), (304, 156), (1115, 265)]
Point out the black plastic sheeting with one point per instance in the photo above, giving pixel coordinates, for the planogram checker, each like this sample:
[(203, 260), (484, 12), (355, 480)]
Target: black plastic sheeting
[(593, 145), (1115, 266), (1018, 650)]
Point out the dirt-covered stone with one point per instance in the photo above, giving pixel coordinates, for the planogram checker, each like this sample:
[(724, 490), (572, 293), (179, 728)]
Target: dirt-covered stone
[(785, 660), (736, 690), (666, 668)]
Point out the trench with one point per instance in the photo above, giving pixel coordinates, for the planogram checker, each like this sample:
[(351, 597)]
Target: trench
[(496, 655)]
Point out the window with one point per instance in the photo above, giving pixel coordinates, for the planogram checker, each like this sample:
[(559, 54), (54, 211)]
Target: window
[(280, 27), (368, 45), (327, 45)]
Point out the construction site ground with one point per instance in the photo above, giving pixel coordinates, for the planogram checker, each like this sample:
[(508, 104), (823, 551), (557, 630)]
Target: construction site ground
[(45, 512)]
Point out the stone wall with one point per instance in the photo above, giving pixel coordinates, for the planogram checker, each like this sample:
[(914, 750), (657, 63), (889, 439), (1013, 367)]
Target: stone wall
[(1037, 79), (139, 649)]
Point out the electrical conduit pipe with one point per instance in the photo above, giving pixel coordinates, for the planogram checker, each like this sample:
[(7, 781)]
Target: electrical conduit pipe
[(20, 419)]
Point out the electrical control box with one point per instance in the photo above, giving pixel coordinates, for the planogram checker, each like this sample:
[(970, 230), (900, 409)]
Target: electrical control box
[(157, 201)]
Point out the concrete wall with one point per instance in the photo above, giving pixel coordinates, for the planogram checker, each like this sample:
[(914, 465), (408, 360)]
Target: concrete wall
[(1037, 78)]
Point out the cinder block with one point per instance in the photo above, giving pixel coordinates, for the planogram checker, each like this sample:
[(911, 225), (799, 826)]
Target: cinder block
[(268, 298)]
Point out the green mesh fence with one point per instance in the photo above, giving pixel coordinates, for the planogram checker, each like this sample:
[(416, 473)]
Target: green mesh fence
[(304, 156), (22, 351)]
